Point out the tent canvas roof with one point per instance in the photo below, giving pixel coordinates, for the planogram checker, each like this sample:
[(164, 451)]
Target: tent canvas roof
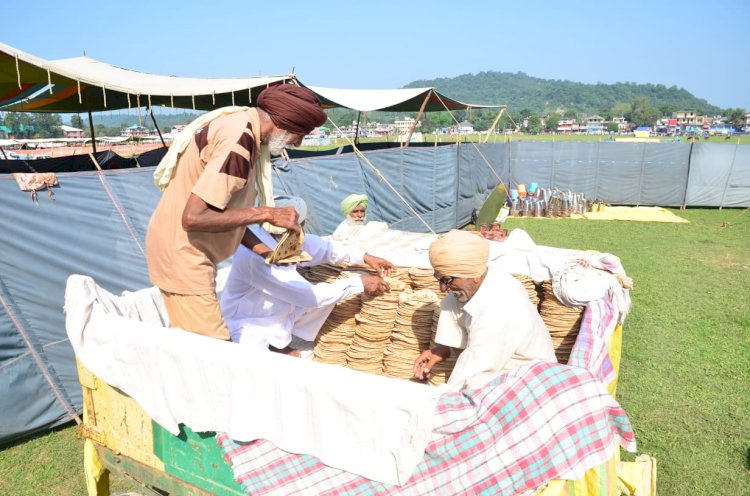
[(394, 100), (32, 84)]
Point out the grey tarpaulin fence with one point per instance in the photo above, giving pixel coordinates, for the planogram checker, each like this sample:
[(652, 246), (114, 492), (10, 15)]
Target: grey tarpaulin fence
[(96, 223)]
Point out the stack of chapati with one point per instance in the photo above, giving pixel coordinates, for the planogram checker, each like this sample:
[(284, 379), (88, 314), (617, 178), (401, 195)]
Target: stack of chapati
[(337, 332), (411, 334), (425, 279), (563, 322), (373, 331), (442, 371), (531, 288)]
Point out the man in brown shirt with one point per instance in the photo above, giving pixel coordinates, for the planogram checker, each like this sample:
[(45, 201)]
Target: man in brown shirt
[(203, 213)]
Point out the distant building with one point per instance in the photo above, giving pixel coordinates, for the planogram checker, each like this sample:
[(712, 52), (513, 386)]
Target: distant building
[(688, 118), (135, 131), (569, 126), (595, 125), (642, 132), (466, 127), (403, 127), (623, 126), (71, 132)]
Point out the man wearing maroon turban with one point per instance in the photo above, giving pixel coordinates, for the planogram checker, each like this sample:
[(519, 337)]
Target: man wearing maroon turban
[(209, 197)]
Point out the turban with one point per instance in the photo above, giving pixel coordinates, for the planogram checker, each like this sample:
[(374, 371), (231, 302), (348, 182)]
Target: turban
[(295, 202), (460, 254), (292, 108), (350, 203)]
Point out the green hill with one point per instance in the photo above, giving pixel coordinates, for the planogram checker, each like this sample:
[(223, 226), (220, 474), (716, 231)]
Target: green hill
[(519, 91)]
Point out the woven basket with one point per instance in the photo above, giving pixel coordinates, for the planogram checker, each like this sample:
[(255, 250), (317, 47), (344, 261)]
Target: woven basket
[(563, 322)]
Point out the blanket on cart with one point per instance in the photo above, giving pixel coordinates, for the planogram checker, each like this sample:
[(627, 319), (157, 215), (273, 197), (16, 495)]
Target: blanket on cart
[(537, 423)]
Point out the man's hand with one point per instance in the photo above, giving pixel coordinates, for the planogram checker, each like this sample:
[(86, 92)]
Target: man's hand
[(285, 217), (382, 266), (374, 285), (428, 359)]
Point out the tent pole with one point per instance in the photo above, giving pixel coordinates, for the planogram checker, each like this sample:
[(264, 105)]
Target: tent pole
[(492, 128), (419, 116), (157, 129), (356, 129), (91, 127)]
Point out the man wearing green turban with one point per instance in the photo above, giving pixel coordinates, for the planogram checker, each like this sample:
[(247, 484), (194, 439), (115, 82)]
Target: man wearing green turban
[(351, 202), (354, 207)]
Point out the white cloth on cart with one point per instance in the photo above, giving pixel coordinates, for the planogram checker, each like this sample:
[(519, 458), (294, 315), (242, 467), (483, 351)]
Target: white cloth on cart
[(370, 425)]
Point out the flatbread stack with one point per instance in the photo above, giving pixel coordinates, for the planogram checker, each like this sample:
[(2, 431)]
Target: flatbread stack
[(442, 371), (289, 250), (337, 333), (399, 273), (402, 274), (411, 334), (563, 322), (425, 279), (373, 331), (531, 288)]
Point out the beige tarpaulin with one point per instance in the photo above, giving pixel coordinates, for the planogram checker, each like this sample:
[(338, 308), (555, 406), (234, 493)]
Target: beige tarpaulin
[(33, 84)]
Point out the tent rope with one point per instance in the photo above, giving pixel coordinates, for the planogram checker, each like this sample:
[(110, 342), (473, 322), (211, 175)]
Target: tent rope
[(80, 100), (232, 98), (49, 80), (40, 363), (381, 177), (193, 97), (484, 159), (733, 220), (104, 93), (149, 102)]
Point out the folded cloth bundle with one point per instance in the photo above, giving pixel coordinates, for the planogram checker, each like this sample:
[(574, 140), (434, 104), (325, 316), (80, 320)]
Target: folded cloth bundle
[(36, 181)]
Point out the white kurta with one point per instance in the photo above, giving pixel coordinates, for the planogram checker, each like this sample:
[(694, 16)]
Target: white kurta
[(265, 304), (498, 329)]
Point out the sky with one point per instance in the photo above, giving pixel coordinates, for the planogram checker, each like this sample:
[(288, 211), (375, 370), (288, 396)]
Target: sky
[(697, 45)]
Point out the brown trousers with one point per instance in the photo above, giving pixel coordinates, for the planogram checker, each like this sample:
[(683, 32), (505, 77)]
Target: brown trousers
[(196, 313)]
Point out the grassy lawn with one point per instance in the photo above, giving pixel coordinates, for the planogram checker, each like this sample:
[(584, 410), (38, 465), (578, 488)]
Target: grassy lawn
[(685, 373)]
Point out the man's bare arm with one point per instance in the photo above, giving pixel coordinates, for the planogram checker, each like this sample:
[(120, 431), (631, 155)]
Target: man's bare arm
[(251, 242), (199, 216)]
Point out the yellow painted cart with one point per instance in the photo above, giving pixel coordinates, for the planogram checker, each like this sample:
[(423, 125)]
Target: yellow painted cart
[(121, 437)]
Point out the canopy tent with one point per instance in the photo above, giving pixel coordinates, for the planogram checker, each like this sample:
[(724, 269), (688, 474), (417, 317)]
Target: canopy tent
[(82, 84), (33, 84), (395, 100), (400, 100)]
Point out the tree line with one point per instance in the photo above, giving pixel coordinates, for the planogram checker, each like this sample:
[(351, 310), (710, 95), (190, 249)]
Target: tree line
[(25, 125)]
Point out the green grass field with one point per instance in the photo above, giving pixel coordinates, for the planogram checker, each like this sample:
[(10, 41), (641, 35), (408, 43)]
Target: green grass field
[(685, 372)]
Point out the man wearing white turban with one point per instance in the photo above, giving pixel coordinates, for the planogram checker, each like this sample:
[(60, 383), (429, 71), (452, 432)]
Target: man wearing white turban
[(486, 316), (265, 305)]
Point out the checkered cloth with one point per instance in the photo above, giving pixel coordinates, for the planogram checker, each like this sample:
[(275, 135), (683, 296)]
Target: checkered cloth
[(591, 349), (540, 422)]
